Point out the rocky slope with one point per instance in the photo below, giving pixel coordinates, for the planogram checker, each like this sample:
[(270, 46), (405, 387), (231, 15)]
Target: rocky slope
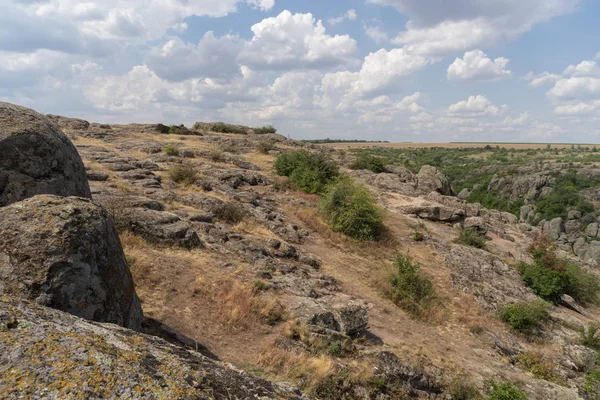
[(226, 258)]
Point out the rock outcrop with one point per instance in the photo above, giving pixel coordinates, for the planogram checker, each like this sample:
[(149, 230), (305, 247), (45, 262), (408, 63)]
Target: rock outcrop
[(45, 353), (36, 158), (64, 252), (429, 179)]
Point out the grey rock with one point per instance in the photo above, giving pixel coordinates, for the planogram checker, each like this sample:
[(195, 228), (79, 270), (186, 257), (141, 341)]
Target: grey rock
[(429, 179), (582, 358), (572, 226), (64, 252), (54, 355), (96, 176), (351, 317), (526, 211), (574, 214), (36, 158), (592, 230), (553, 228), (464, 194), (475, 223)]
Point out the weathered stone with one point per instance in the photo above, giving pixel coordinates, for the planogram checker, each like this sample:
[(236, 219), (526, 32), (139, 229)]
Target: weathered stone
[(582, 358), (475, 223), (572, 226), (574, 214), (64, 252), (553, 228), (36, 158), (592, 230), (464, 194), (97, 176), (429, 179), (526, 212), (54, 355), (351, 317)]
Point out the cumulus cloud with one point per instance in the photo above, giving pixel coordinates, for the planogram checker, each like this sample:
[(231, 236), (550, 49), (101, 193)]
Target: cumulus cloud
[(290, 41), (376, 33), (545, 78), (581, 108), (476, 66), (475, 106), (349, 15), (211, 57), (440, 27)]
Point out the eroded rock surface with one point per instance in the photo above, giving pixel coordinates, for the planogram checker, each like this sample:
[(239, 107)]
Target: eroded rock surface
[(36, 158), (64, 252)]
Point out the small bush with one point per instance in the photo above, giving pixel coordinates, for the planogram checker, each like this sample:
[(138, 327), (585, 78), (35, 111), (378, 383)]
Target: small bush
[(171, 150), (418, 237), (525, 317), (173, 130), (265, 129), (311, 172), (183, 174), (216, 156), (592, 384), (461, 388), (589, 338), (266, 147), (372, 163), (505, 391), (469, 237), (349, 208), (550, 276), (539, 366), (230, 212), (411, 290), (222, 127)]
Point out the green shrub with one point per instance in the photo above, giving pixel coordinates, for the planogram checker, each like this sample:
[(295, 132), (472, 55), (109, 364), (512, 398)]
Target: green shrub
[(565, 196), (311, 172), (173, 130), (184, 174), (171, 150), (265, 129), (222, 127), (525, 317), (372, 163), (411, 290), (539, 366), (589, 338), (349, 208), (505, 391), (265, 147), (461, 388), (469, 237), (592, 384), (230, 212), (547, 283), (550, 276), (418, 237)]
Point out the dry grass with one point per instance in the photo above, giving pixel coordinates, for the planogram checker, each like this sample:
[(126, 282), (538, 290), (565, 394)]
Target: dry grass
[(238, 307), (301, 369), (250, 227)]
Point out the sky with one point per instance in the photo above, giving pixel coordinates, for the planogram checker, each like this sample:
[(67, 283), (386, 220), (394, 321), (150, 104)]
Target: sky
[(396, 70)]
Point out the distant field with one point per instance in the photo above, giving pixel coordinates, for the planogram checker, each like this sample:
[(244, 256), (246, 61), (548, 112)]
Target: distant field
[(452, 145)]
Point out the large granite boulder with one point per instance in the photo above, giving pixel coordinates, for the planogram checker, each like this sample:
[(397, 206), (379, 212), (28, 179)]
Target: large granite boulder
[(64, 252), (36, 158), (48, 354), (429, 179)]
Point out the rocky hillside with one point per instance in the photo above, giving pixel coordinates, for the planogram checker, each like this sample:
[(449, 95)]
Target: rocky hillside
[(235, 262)]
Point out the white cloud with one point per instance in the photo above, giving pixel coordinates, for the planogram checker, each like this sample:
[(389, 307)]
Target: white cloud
[(441, 27), (475, 106), (584, 68), (545, 78), (575, 88), (290, 41), (476, 66), (349, 15), (376, 34), (211, 57), (582, 108), (519, 121)]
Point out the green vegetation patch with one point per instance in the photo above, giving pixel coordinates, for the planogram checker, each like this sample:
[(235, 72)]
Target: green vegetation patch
[(310, 172), (526, 317), (370, 162), (411, 289), (505, 391), (350, 208)]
